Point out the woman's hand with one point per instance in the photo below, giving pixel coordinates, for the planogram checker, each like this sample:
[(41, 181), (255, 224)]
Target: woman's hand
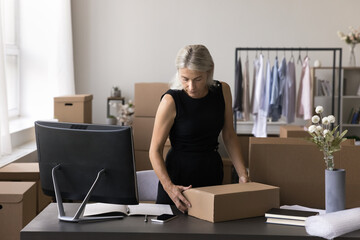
[(175, 193), (244, 178)]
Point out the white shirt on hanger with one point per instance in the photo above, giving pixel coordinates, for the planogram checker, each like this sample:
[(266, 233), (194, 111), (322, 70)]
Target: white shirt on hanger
[(304, 103)]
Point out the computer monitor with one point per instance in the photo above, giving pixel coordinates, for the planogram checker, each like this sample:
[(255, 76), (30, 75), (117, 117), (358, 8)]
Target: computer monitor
[(86, 162)]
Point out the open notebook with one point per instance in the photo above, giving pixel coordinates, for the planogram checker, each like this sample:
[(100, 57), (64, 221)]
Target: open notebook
[(150, 209)]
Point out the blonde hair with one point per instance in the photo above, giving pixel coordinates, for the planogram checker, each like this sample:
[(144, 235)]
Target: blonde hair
[(194, 57)]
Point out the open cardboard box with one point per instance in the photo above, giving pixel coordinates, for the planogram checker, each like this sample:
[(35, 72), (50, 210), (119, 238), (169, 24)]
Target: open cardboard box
[(232, 201)]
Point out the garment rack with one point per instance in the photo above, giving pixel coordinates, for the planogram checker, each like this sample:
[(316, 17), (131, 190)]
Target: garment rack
[(333, 50)]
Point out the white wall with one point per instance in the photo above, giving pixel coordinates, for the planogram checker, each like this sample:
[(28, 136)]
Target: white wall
[(120, 42)]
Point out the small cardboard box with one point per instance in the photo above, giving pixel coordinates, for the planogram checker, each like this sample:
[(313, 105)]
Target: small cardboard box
[(26, 172), (295, 131), (232, 201), (76, 108), (18, 207), (147, 98)]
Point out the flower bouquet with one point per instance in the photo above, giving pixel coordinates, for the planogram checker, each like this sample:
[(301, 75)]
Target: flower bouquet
[(353, 37), (327, 140), (124, 112)]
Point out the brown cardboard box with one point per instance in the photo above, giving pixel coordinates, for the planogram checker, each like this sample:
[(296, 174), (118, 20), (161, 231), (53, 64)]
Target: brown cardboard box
[(76, 108), (298, 168), (147, 98), (26, 172), (349, 160), (142, 130), (232, 201), (142, 160), (228, 167), (18, 207), (296, 131)]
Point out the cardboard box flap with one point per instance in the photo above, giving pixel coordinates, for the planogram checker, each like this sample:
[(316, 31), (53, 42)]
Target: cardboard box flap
[(74, 98), (13, 192)]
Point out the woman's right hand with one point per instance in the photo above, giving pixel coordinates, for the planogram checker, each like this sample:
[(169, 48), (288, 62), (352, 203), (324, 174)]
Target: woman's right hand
[(175, 193)]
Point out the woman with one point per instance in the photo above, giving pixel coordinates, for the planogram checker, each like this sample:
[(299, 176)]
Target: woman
[(193, 113)]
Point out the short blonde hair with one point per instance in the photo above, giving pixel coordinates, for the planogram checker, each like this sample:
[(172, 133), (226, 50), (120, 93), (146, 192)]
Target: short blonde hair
[(194, 57)]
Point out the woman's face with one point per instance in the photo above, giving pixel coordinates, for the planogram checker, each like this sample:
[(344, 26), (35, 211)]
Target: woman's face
[(194, 82)]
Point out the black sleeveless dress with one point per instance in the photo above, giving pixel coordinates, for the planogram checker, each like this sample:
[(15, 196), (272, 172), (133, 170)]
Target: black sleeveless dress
[(193, 158)]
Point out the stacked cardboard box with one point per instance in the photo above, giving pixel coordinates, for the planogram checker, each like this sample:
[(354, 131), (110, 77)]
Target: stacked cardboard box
[(17, 207), (26, 172), (147, 99), (298, 168)]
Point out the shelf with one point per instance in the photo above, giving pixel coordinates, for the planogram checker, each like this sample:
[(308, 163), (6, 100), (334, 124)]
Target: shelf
[(351, 97), (245, 127)]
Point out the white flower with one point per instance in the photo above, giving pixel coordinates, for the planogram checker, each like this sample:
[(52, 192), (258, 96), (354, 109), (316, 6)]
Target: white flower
[(312, 128), (319, 109), (331, 118), (315, 119), (325, 121), (326, 131), (131, 110), (319, 128)]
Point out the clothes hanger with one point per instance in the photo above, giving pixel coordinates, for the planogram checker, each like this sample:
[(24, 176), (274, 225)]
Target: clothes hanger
[(307, 56), (299, 58), (292, 56)]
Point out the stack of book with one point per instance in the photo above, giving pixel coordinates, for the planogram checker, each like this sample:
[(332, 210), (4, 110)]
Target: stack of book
[(288, 217)]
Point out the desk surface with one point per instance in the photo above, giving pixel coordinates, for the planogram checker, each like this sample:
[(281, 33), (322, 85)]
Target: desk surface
[(47, 226)]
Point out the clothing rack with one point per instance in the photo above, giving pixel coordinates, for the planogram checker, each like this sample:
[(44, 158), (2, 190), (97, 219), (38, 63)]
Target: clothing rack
[(333, 50)]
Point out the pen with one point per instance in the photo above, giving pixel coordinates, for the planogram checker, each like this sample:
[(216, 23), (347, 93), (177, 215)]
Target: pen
[(146, 218)]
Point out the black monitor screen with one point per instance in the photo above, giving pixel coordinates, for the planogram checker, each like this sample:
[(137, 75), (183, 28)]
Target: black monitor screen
[(82, 150)]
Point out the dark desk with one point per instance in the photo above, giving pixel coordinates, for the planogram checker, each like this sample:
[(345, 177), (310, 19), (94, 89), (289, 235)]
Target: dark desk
[(47, 226)]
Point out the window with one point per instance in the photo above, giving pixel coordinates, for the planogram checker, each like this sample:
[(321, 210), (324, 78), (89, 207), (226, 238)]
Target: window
[(12, 61)]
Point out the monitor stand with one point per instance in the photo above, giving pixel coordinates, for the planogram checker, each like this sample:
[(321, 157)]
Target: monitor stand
[(79, 215)]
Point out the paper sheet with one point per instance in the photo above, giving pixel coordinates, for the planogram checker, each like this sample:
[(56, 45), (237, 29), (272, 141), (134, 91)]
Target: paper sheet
[(141, 209), (302, 208)]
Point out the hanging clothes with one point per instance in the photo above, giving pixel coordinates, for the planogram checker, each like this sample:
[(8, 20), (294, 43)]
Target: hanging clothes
[(255, 72), (274, 111), (246, 91), (282, 80), (258, 118), (266, 89), (304, 104), (289, 100), (238, 88), (264, 104)]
